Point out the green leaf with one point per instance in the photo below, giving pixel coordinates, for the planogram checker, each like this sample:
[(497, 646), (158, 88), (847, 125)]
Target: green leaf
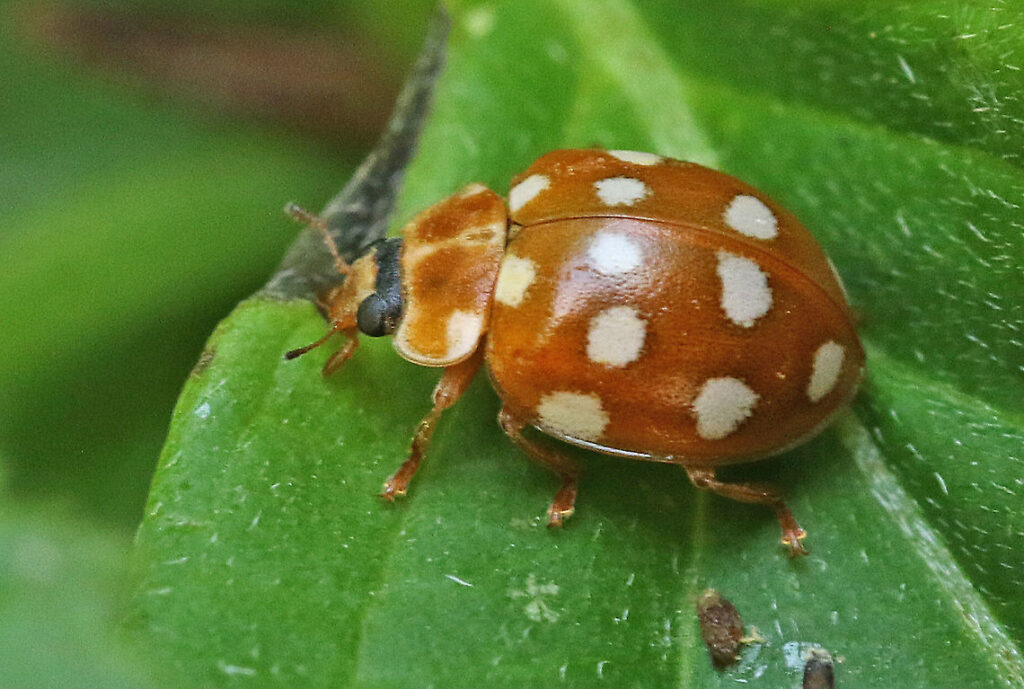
[(269, 558)]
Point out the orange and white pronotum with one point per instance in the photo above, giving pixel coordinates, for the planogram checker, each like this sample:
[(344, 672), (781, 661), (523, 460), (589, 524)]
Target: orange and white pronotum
[(624, 302)]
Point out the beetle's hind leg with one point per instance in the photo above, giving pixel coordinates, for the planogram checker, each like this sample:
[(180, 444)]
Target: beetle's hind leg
[(792, 534), (454, 381), (564, 503)]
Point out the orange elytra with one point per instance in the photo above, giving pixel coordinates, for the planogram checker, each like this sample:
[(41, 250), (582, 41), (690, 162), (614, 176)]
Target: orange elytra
[(624, 302)]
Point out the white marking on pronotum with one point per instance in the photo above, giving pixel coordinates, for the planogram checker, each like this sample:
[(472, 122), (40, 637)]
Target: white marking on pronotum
[(526, 191), (464, 330), (746, 295), (620, 191), (612, 253), (721, 406), (573, 414), (616, 336), (825, 370), (472, 190), (514, 278), (636, 157), (750, 216)]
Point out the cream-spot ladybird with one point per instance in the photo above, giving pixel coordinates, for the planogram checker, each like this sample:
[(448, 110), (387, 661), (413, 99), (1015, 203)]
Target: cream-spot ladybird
[(621, 301)]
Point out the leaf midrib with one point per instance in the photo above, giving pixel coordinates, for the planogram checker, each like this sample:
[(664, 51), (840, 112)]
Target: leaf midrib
[(976, 615)]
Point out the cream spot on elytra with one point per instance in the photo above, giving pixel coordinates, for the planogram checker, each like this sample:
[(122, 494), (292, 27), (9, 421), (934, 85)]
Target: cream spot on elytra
[(746, 295), (620, 191), (721, 406), (636, 157), (514, 277), (526, 191), (616, 336), (828, 364), (750, 216), (573, 414), (611, 253)]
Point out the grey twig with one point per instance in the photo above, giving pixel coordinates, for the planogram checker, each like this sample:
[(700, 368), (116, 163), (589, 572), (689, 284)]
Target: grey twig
[(360, 213)]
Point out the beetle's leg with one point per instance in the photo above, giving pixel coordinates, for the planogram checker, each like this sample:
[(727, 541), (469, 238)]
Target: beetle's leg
[(564, 503), (335, 361), (449, 389), (792, 534)]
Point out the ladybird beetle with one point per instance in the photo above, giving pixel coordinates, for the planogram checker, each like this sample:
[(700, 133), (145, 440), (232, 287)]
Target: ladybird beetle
[(623, 302)]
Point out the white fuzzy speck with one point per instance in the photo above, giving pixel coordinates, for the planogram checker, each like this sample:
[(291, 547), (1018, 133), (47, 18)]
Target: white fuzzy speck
[(461, 582), (479, 22), (229, 669), (537, 608), (907, 71), (203, 410)]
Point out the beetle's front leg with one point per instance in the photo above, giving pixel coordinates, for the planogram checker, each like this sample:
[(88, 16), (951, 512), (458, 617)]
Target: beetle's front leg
[(449, 389), (792, 533), (335, 361)]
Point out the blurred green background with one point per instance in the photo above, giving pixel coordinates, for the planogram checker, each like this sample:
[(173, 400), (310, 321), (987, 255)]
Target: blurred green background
[(117, 263), (146, 151)]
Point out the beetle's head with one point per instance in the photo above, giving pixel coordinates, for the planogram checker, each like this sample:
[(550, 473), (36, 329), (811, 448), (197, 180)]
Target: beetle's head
[(369, 300), (380, 310)]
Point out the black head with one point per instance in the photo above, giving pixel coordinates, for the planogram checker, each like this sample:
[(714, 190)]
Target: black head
[(379, 313)]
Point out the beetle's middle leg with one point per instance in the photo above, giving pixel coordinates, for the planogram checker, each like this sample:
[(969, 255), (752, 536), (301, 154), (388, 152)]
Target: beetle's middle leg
[(792, 534), (564, 503), (454, 381)]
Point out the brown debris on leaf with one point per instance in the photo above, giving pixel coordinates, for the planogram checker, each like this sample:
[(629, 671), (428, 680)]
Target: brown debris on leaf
[(720, 626), (819, 670)]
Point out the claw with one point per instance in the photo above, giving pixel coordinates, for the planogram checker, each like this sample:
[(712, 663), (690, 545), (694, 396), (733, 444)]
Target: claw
[(792, 539), (392, 490), (557, 516)]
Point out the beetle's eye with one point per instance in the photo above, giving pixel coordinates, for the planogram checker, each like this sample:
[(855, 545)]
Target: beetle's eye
[(375, 318)]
